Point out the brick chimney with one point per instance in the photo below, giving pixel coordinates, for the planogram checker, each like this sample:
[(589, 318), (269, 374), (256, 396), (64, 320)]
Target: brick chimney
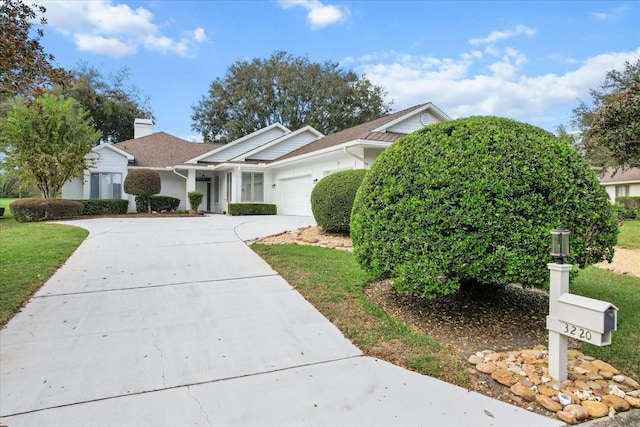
[(142, 127)]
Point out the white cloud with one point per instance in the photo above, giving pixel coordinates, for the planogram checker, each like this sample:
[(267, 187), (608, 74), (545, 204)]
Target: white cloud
[(102, 45), (616, 13), (468, 85), (199, 35), (318, 14), (116, 30), (496, 36)]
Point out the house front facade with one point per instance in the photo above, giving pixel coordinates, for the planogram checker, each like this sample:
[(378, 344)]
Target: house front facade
[(273, 165), (622, 183)]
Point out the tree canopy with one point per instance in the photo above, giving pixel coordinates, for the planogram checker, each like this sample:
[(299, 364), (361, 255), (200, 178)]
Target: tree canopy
[(616, 128), (289, 90), (25, 68), (610, 125), (112, 102), (45, 141)]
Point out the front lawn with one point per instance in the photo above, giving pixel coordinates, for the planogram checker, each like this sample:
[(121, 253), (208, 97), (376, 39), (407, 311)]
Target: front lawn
[(624, 292), (29, 254), (629, 235)]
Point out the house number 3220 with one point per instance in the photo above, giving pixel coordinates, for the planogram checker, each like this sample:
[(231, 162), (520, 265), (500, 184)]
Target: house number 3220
[(577, 332)]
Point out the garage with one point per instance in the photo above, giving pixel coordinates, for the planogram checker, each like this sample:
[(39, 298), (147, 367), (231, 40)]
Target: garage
[(293, 195)]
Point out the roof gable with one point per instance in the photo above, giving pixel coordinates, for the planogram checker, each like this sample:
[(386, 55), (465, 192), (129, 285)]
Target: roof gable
[(160, 150), (284, 145), (247, 143), (417, 118), (387, 129), (114, 149)]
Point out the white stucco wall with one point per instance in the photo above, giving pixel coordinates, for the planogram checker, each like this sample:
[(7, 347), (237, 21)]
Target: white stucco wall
[(105, 160), (73, 190), (174, 186), (634, 190), (295, 180)]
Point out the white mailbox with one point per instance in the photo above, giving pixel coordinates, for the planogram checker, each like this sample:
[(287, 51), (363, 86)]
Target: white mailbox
[(585, 319)]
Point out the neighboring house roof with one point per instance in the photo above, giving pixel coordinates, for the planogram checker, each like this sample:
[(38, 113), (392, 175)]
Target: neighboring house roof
[(375, 130), (622, 176), (160, 150)]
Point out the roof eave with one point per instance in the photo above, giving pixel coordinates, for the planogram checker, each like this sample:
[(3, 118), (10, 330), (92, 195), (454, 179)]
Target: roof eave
[(339, 147)]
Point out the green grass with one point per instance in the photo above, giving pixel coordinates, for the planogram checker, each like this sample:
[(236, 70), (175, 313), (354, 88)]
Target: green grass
[(629, 235), (29, 254), (624, 292), (334, 283), (4, 203)]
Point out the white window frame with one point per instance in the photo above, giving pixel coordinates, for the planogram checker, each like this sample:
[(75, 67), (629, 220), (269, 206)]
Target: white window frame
[(252, 188), (622, 190), (216, 189), (101, 190), (229, 186)]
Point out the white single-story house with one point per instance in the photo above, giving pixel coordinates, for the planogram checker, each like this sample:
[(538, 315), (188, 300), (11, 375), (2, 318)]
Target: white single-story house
[(272, 165), (623, 183)]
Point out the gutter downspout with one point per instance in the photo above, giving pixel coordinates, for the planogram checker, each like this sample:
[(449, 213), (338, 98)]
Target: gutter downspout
[(348, 153), (173, 169), (179, 174)]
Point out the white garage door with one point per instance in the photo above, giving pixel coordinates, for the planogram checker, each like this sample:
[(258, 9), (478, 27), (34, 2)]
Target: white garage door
[(294, 195)]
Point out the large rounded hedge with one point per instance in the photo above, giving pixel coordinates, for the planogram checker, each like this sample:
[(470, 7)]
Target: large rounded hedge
[(332, 199), (472, 201)]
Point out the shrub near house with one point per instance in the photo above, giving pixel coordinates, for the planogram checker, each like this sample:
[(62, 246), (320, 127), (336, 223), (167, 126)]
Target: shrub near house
[(332, 199), (31, 210), (471, 202), (143, 183)]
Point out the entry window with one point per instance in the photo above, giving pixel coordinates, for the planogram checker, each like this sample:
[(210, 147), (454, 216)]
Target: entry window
[(229, 187), (622, 190), (252, 187), (105, 185), (216, 189)]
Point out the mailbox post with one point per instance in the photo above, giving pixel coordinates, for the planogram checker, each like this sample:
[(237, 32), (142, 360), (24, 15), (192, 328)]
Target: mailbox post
[(570, 315), (558, 342)]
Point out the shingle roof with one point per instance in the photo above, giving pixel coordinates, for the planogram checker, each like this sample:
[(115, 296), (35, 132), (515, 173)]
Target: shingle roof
[(161, 150), (362, 131), (632, 174)]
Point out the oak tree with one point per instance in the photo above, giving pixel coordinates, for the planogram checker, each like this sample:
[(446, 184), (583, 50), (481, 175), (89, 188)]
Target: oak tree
[(112, 102), (25, 68), (289, 90), (610, 125)]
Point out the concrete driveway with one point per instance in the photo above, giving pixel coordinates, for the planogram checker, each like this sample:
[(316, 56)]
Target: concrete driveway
[(175, 321)]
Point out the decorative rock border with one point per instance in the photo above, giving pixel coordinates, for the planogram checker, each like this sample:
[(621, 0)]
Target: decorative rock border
[(593, 389)]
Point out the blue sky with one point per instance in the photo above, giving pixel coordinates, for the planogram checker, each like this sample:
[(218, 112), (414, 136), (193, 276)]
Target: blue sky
[(530, 61)]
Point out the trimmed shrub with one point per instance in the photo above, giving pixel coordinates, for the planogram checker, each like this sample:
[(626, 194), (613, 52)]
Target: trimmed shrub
[(252, 209), (104, 206), (32, 210), (144, 183), (195, 198), (471, 202), (628, 207), (332, 199), (158, 203)]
